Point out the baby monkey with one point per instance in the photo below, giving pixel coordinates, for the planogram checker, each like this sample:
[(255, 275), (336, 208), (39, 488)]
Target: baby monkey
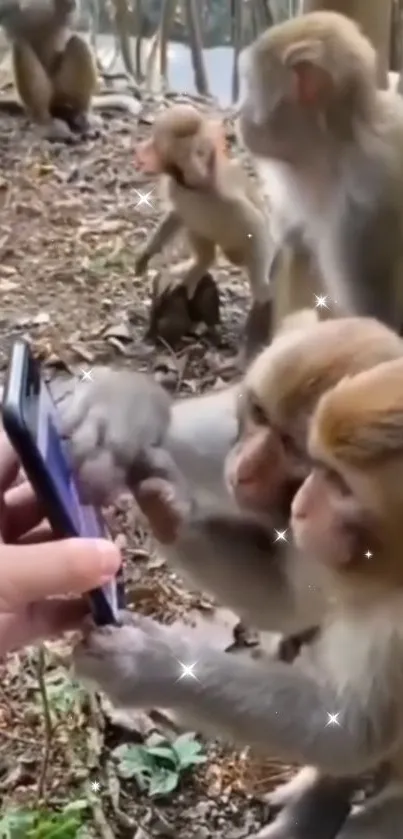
[(54, 69), (214, 201)]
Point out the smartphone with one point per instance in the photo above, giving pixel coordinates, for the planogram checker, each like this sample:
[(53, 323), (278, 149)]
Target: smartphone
[(30, 421)]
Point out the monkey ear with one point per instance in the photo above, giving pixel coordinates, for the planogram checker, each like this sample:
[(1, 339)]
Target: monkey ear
[(147, 159), (311, 79)]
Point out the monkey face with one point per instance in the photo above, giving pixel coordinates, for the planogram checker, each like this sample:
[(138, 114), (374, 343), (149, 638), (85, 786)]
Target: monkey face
[(265, 466), (327, 519)]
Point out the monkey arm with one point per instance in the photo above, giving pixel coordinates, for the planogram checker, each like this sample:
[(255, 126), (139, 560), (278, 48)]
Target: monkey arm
[(236, 560), (167, 228), (278, 709)]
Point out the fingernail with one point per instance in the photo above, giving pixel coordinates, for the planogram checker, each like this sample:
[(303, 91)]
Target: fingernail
[(110, 558)]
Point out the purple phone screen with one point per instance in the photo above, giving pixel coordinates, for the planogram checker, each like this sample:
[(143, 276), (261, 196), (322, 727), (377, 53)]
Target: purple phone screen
[(85, 518)]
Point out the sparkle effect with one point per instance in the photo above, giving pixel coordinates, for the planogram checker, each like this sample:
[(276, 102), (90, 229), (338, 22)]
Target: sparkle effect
[(187, 671), (144, 198), (321, 301), (95, 786), (333, 719), (368, 554), (86, 377), (281, 536)]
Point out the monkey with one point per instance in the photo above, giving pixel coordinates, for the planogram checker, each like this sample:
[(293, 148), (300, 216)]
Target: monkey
[(54, 69), (213, 199), (210, 553), (341, 705), (332, 147)]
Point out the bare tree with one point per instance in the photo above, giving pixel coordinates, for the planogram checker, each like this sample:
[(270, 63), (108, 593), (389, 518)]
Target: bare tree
[(191, 10)]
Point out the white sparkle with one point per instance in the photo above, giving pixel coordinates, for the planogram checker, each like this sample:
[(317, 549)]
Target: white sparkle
[(86, 377), (281, 536), (187, 671), (368, 554), (250, 235), (321, 301), (333, 719), (95, 786), (144, 198)]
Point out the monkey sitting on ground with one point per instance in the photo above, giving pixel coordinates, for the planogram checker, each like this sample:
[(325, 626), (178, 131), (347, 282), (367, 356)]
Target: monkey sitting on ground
[(340, 705), (332, 144), (54, 69), (216, 203), (226, 548)]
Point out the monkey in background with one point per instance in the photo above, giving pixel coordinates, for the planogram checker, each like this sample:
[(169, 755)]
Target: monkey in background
[(54, 69), (332, 146), (219, 537), (348, 530), (211, 198)]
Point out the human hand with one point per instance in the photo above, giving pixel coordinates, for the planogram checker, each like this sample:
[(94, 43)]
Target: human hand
[(33, 568)]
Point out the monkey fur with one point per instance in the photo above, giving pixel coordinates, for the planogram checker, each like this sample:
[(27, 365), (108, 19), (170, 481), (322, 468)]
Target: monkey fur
[(211, 549), (332, 148), (54, 69), (214, 201)]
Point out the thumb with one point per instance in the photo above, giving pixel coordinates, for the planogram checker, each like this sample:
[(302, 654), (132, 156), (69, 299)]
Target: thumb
[(70, 566)]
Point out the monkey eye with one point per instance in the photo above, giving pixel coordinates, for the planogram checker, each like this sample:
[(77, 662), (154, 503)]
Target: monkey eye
[(289, 444)]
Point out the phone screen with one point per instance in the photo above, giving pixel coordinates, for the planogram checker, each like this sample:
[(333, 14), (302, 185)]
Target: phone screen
[(85, 518), (30, 419)]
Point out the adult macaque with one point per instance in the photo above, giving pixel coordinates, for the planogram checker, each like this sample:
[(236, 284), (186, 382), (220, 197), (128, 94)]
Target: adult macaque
[(340, 705), (54, 69), (215, 202), (234, 554), (333, 144)]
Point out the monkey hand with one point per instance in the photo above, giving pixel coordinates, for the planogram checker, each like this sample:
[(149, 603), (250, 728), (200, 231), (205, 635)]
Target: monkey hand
[(136, 664), (115, 423), (141, 263), (166, 504)]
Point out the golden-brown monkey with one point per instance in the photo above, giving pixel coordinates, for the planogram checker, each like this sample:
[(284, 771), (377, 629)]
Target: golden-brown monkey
[(218, 546), (215, 202), (54, 69), (332, 144), (339, 708)]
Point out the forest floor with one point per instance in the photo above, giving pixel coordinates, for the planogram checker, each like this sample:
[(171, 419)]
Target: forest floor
[(70, 225)]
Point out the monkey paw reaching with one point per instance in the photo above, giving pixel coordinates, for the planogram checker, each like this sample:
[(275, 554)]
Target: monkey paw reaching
[(116, 423), (134, 664)]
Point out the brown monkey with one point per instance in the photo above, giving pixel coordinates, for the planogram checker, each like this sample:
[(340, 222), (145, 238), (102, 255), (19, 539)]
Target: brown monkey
[(332, 143), (54, 69), (340, 706), (215, 202), (207, 538)]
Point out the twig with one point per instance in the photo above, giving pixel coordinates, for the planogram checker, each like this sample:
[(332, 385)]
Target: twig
[(41, 669)]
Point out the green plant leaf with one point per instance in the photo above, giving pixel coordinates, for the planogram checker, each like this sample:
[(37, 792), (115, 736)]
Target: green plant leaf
[(15, 823), (164, 753), (188, 750), (133, 760), (163, 782)]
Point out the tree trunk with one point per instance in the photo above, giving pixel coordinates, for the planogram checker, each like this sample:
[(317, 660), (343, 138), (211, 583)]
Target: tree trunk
[(193, 22), (374, 17)]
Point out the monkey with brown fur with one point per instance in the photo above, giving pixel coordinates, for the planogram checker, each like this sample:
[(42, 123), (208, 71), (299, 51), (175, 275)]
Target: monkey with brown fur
[(205, 536), (54, 69), (348, 509), (215, 202), (332, 143)]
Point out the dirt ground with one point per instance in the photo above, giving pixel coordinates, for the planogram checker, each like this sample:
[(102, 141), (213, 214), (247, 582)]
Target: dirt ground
[(70, 225)]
